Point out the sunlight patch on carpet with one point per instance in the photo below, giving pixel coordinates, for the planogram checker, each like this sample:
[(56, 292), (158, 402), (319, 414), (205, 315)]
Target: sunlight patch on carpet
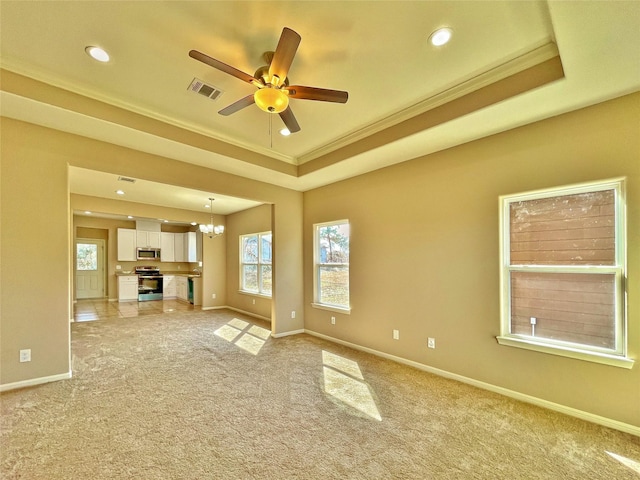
[(627, 462), (239, 324), (343, 380), (227, 332), (342, 364), (263, 333), (250, 341)]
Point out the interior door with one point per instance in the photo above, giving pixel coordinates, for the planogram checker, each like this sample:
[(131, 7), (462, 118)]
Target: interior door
[(89, 268)]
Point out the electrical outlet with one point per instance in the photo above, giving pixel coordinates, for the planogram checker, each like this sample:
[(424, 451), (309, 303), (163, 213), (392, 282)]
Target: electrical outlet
[(293, 314), (396, 334), (213, 295), (253, 301), (25, 355), (333, 320), (431, 342)]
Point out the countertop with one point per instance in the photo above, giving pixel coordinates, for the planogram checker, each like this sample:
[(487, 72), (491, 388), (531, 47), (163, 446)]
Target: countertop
[(179, 273)]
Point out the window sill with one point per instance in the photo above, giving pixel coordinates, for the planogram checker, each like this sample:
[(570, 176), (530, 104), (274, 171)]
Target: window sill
[(603, 358), (254, 294), (332, 308)]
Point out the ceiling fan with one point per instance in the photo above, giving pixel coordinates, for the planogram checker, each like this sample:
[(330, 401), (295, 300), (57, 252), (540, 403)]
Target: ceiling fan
[(271, 80)]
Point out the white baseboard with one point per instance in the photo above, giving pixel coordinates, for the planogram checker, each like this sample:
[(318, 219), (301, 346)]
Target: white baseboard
[(34, 381), (573, 412), (286, 334), (254, 315)]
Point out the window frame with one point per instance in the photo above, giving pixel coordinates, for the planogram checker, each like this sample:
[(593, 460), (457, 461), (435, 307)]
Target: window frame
[(259, 264), (317, 267), (616, 356)]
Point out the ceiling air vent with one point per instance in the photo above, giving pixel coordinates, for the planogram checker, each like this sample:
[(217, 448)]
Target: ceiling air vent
[(126, 179), (202, 88)]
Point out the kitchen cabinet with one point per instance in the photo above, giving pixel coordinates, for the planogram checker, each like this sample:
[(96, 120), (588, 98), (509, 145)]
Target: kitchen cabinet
[(179, 252), (167, 247), (169, 287), (197, 290), (190, 247), (126, 245), (146, 239), (127, 288), (182, 288)]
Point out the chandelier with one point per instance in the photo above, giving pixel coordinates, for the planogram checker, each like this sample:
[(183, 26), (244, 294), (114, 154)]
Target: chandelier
[(212, 230)]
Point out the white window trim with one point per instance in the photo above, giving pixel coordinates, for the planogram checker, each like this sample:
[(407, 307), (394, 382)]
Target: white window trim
[(316, 271), (257, 293), (616, 356)]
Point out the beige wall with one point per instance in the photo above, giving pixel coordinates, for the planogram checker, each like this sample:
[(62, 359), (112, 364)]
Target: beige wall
[(35, 258), (34, 190), (424, 254), (254, 220)]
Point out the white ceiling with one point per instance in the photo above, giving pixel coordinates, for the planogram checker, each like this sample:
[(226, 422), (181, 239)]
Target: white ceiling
[(377, 51)]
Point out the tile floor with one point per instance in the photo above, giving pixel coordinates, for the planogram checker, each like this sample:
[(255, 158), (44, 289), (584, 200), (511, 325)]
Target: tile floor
[(87, 310)]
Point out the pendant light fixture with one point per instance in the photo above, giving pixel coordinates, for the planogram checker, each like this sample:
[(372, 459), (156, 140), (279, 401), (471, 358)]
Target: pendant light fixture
[(212, 230)]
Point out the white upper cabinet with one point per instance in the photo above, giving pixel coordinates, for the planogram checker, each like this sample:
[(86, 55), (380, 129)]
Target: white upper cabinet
[(190, 247), (126, 245), (167, 247), (146, 239), (179, 251)]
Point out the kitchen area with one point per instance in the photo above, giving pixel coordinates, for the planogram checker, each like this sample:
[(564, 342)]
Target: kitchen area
[(158, 265), (148, 266)]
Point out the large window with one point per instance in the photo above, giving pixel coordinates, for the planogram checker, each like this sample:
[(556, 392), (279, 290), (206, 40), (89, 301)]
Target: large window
[(563, 272), (331, 265), (255, 263)]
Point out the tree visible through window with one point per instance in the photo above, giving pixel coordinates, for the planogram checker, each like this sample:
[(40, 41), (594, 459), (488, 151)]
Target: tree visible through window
[(563, 269), (255, 263), (87, 256), (332, 264)]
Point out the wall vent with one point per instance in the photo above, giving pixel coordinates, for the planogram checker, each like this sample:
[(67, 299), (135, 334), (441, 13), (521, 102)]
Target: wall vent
[(209, 91), (126, 179)]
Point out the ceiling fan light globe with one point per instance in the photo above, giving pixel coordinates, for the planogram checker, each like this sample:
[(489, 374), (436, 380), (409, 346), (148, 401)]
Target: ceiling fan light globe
[(271, 100)]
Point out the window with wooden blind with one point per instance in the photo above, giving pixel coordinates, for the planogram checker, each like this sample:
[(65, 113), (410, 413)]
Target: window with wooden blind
[(563, 272)]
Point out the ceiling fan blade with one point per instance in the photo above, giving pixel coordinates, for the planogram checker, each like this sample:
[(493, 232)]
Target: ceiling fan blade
[(239, 105), (283, 56), (320, 94), (289, 120), (212, 62)]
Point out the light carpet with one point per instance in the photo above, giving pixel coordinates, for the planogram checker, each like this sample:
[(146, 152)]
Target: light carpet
[(209, 395)]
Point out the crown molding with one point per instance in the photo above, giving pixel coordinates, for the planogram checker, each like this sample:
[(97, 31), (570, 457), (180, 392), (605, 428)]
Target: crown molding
[(518, 63), (15, 66)]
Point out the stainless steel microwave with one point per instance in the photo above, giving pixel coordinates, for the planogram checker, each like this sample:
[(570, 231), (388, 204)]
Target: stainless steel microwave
[(148, 253)]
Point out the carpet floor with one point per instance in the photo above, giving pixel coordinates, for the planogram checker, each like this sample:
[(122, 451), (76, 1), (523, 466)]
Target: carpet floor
[(209, 395)]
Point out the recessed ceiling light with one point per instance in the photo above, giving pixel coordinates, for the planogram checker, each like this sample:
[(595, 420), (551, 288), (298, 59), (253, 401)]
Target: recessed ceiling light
[(285, 132), (120, 192), (87, 212), (166, 221), (194, 223), (129, 216), (97, 54), (207, 206), (440, 36)]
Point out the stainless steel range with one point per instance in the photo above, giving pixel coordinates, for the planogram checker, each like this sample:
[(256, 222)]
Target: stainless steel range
[(149, 283)]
